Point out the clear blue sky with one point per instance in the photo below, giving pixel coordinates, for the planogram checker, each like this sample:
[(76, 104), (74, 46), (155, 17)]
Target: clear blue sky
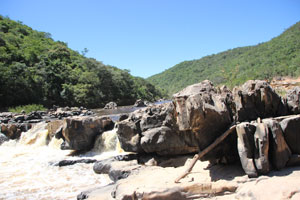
[(149, 36)]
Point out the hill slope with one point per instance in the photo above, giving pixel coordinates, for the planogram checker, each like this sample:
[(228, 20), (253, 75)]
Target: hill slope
[(36, 69), (277, 57)]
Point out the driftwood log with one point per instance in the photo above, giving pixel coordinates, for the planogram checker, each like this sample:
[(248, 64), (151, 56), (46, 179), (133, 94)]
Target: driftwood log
[(205, 151)]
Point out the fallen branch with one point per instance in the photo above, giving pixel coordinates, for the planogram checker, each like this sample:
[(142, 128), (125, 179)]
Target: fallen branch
[(205, 151)]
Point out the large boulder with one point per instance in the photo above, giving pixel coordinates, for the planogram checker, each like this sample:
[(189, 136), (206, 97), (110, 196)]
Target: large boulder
[(80, 132), (154, 130), (291, 128), (205, 112), (257, 99), (293, 100)]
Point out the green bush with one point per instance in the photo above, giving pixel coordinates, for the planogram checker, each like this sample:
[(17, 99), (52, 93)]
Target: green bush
[(27, 108)]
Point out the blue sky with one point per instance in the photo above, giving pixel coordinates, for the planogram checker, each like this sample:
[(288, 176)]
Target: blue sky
[(149, 36)]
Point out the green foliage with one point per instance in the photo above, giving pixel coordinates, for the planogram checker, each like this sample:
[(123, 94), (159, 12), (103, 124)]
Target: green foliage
[(278, 57), (36, 69), (27, 108)]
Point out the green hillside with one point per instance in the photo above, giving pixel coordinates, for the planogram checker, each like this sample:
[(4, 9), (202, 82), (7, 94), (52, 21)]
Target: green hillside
[(277, 57), (36, 69)]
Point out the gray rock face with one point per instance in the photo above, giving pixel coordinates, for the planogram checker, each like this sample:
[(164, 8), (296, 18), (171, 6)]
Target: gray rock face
[(246, 147), (293, 100), (257, 99), (291, 129), (79, 132)]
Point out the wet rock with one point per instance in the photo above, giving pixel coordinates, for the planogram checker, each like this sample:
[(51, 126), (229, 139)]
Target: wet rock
[(3, 138), (279, 152), (128, 132), (246, 148), (257, 99), (291, 128), (73, 162), (139, 103), (13, 131), (80, 132), (261, 155), (293, 100), (110, 105), (54, 128)]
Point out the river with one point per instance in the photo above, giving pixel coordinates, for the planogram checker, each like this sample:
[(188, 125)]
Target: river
[(27, 169)]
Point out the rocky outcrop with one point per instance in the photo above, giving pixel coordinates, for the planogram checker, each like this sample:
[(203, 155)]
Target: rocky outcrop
[(262, 145), (257, 99), (79, 133), (111, 105)]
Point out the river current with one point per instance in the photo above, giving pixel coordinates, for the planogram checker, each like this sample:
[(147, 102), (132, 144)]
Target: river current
[(27, 169)]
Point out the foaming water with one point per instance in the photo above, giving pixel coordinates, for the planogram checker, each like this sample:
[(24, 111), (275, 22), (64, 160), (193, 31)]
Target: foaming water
[(27, 170)]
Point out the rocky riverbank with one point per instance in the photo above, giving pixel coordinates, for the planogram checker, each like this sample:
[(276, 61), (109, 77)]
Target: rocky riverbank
[(263, 137)]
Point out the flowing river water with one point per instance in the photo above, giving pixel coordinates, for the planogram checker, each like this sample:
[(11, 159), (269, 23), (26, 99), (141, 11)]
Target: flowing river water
[(27, 169)]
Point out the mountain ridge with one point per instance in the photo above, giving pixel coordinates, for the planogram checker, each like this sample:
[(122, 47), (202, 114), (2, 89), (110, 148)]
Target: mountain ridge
[(279, 56)]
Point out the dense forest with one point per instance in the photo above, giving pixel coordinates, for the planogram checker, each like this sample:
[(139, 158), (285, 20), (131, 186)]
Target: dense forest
[(277, 57), (36, 69)]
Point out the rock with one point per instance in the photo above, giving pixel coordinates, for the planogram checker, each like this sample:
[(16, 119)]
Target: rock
[(3, 138), (54, 127), (110, 105), (164, 141), (279, 152), (261, 154), (13, 131), (116, 170), (245, 132), (19, 118), (293, 100), (73, 162), (257, 99), (291, 128), (80, 132), (204, 112), (139, 103)]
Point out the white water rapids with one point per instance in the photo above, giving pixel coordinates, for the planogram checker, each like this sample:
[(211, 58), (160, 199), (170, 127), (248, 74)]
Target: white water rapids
[(26, 171)]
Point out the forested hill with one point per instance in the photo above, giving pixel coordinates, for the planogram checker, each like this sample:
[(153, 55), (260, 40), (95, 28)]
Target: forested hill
[(277, 57), (36, 69)]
